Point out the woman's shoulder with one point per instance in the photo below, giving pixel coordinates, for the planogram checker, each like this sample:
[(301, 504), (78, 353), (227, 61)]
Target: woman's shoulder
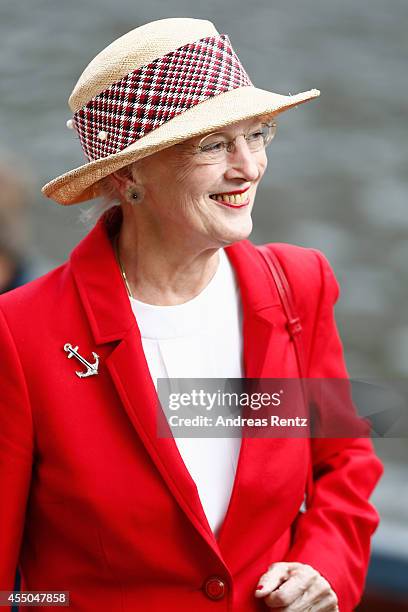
[(308, 271), (35, 297), (303, 266), (299, 258)]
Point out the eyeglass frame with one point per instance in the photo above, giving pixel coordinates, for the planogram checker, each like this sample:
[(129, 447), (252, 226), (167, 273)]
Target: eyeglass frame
[(271, 124)]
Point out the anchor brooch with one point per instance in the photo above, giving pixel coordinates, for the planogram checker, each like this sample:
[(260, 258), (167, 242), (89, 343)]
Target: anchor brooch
[(91, 368)]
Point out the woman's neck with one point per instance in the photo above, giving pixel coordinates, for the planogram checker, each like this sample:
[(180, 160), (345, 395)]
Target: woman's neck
[(164, 273)]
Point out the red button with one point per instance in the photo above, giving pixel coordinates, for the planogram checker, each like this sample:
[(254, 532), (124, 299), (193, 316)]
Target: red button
[(214, 588)]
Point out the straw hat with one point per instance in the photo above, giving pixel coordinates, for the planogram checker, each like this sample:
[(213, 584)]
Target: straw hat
[(157, 85)]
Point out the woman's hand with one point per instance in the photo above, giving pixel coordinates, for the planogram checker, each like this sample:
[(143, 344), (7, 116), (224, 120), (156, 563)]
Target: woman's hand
[(296, 587)]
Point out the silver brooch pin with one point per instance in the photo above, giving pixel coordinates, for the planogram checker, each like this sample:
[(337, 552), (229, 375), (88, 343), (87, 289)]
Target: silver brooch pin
[(91, 368)]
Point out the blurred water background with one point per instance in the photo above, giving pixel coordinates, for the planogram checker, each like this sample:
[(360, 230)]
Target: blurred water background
[(337, 175)]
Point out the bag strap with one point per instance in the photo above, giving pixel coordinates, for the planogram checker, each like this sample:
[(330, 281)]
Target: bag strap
[(293, 324), (294, 328)]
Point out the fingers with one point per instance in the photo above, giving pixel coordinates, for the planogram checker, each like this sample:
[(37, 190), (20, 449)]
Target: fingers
[(272, 579), (296, 587), (292, 593), (319, 597)]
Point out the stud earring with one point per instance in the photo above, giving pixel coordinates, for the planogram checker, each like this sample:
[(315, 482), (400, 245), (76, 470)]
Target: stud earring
[(133, 194)]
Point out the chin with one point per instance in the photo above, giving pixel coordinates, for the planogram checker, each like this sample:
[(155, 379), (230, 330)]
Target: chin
[(235, 234)]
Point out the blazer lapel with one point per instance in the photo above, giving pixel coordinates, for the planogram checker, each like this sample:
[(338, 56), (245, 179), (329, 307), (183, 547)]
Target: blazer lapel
[(261, 309), (268, 353), (268, 349), (111, 319)]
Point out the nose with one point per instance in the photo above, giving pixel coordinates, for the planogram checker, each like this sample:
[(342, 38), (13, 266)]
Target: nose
[(242, 162)]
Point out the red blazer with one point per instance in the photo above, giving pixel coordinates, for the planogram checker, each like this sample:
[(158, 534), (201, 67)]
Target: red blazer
[(93, 503)]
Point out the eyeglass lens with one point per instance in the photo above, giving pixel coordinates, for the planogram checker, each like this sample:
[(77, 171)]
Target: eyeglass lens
[(216, 145)]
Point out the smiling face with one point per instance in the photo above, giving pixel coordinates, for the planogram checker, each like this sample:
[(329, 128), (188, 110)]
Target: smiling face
[(182, 191)]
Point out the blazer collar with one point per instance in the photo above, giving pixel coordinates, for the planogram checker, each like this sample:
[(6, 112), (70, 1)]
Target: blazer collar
[(262, 310), (104, 295), (258, 291), (101, 286)]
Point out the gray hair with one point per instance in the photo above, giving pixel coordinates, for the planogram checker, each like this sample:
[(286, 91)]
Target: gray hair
[(109, 198)]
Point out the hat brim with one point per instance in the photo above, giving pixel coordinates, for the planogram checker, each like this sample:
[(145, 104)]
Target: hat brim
[(81, 184)]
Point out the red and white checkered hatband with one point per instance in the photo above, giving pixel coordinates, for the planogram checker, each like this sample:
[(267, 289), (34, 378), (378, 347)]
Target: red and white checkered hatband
[(149, 96)]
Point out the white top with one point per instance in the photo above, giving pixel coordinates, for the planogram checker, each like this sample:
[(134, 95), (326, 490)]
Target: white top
[(201, 338)]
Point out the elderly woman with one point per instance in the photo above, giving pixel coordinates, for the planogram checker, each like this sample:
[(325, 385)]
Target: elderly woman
[(94, 502)]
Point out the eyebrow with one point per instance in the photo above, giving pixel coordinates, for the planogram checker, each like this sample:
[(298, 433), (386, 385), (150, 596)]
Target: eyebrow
[(221, 131), (196, 139), (225, 131)]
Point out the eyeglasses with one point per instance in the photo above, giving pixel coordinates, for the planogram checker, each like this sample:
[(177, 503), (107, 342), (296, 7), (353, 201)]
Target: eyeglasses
[(214, 147)]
